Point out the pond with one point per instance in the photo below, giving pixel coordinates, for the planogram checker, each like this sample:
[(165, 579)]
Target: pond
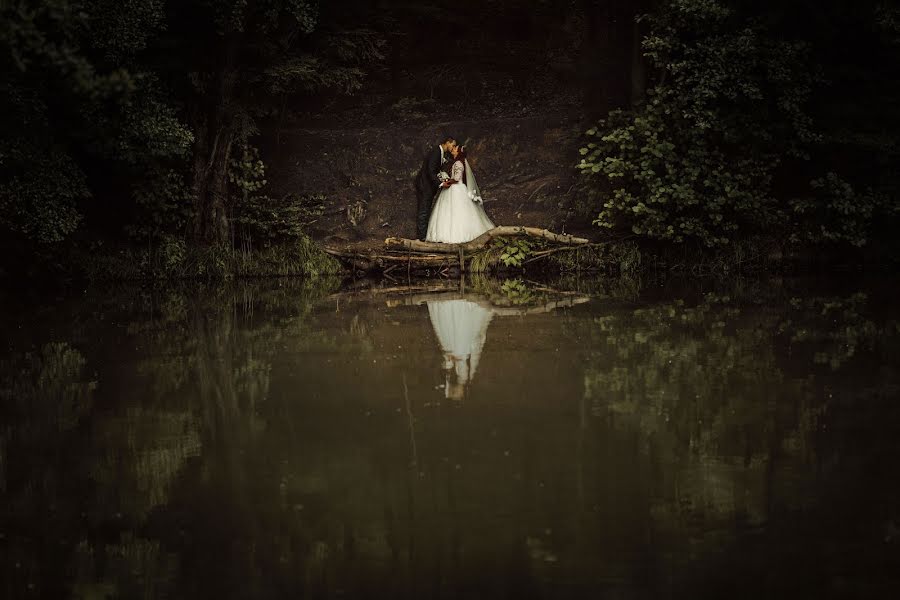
[(576, 438)]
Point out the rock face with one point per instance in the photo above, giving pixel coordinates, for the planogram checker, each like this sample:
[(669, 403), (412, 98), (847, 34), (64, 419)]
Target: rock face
[(525, 167)]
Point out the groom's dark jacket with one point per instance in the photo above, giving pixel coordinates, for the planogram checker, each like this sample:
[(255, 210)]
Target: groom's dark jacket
[(427, 181)]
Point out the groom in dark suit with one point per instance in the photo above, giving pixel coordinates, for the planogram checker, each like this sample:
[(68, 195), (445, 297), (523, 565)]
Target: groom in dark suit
[(428, 183)]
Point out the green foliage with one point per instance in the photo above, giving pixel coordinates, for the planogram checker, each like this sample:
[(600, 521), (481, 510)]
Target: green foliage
[(274, 221), (66, 62), (122, 28), (698, 160), (100, 68), (308, 73), (260, 219), (247, 172), (278, 53), (514, 251), (837, 213), (887, 18), (724, 148), (340, 66), (163, 206), (39, 191), (149, 128)]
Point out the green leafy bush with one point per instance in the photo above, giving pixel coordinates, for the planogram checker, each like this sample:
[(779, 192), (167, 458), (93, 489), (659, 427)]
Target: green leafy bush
[(698, 160), (261, 220), (163, 206), (836, 213), (514, 252), (39, 192)]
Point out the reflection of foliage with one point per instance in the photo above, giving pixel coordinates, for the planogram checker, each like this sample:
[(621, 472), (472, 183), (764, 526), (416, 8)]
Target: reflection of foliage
[(151, 447), (832, 329), (132, 568), (509, 292), (658, 355), (625, 287), (48, 385), (516, 291), (710, 393), (201, 379), (198, 481)]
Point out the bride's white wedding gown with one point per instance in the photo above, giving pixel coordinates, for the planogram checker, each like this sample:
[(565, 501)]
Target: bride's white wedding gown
[(456, 218)]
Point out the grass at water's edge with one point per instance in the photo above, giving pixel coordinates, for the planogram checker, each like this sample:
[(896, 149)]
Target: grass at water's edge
[(303, 258)]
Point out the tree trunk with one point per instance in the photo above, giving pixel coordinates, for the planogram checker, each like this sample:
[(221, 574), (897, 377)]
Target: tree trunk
[(215, 133)]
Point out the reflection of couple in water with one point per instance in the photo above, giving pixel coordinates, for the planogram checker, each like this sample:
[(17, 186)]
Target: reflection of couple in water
[(460, 321), (460, 326)]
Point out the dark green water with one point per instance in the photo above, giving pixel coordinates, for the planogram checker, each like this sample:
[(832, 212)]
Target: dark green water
[(580, 439)]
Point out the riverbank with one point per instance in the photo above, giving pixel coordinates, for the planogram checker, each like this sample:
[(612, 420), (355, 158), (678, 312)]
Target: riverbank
[(510, 256)]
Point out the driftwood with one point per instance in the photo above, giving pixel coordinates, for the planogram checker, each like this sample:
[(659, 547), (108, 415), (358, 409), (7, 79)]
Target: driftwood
[(483, 240)]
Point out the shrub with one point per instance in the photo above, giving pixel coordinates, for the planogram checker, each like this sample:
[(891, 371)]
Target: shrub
[(698, 160)]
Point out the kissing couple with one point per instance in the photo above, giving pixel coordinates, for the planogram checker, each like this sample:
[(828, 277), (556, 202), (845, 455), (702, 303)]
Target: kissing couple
[(457, 215)]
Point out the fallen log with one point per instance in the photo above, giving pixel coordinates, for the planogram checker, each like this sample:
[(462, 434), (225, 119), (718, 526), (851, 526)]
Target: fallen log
[(484, 239), (389, 260), (564, 252)]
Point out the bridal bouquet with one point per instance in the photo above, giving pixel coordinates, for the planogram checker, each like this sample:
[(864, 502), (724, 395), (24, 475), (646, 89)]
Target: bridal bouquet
[(443, 176)]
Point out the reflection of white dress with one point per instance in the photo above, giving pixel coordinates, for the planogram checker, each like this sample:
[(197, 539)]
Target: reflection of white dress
[(456, 218), (461, 327)]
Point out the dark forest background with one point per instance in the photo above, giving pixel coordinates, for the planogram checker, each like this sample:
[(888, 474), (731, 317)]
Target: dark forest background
[(138, 136)]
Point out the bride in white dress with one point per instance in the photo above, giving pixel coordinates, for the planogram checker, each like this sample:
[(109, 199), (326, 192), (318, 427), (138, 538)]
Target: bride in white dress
[(458, 214)]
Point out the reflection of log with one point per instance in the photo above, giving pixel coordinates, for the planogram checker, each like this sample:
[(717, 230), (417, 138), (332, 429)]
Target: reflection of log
[(422, 293), (483, 240), (361, 291), (570, 299)]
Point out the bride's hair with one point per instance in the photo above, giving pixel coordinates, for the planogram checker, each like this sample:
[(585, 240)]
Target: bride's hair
[(461, 156)]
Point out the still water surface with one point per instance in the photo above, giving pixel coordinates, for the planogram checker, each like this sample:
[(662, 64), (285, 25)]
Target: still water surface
[(500, 439)]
